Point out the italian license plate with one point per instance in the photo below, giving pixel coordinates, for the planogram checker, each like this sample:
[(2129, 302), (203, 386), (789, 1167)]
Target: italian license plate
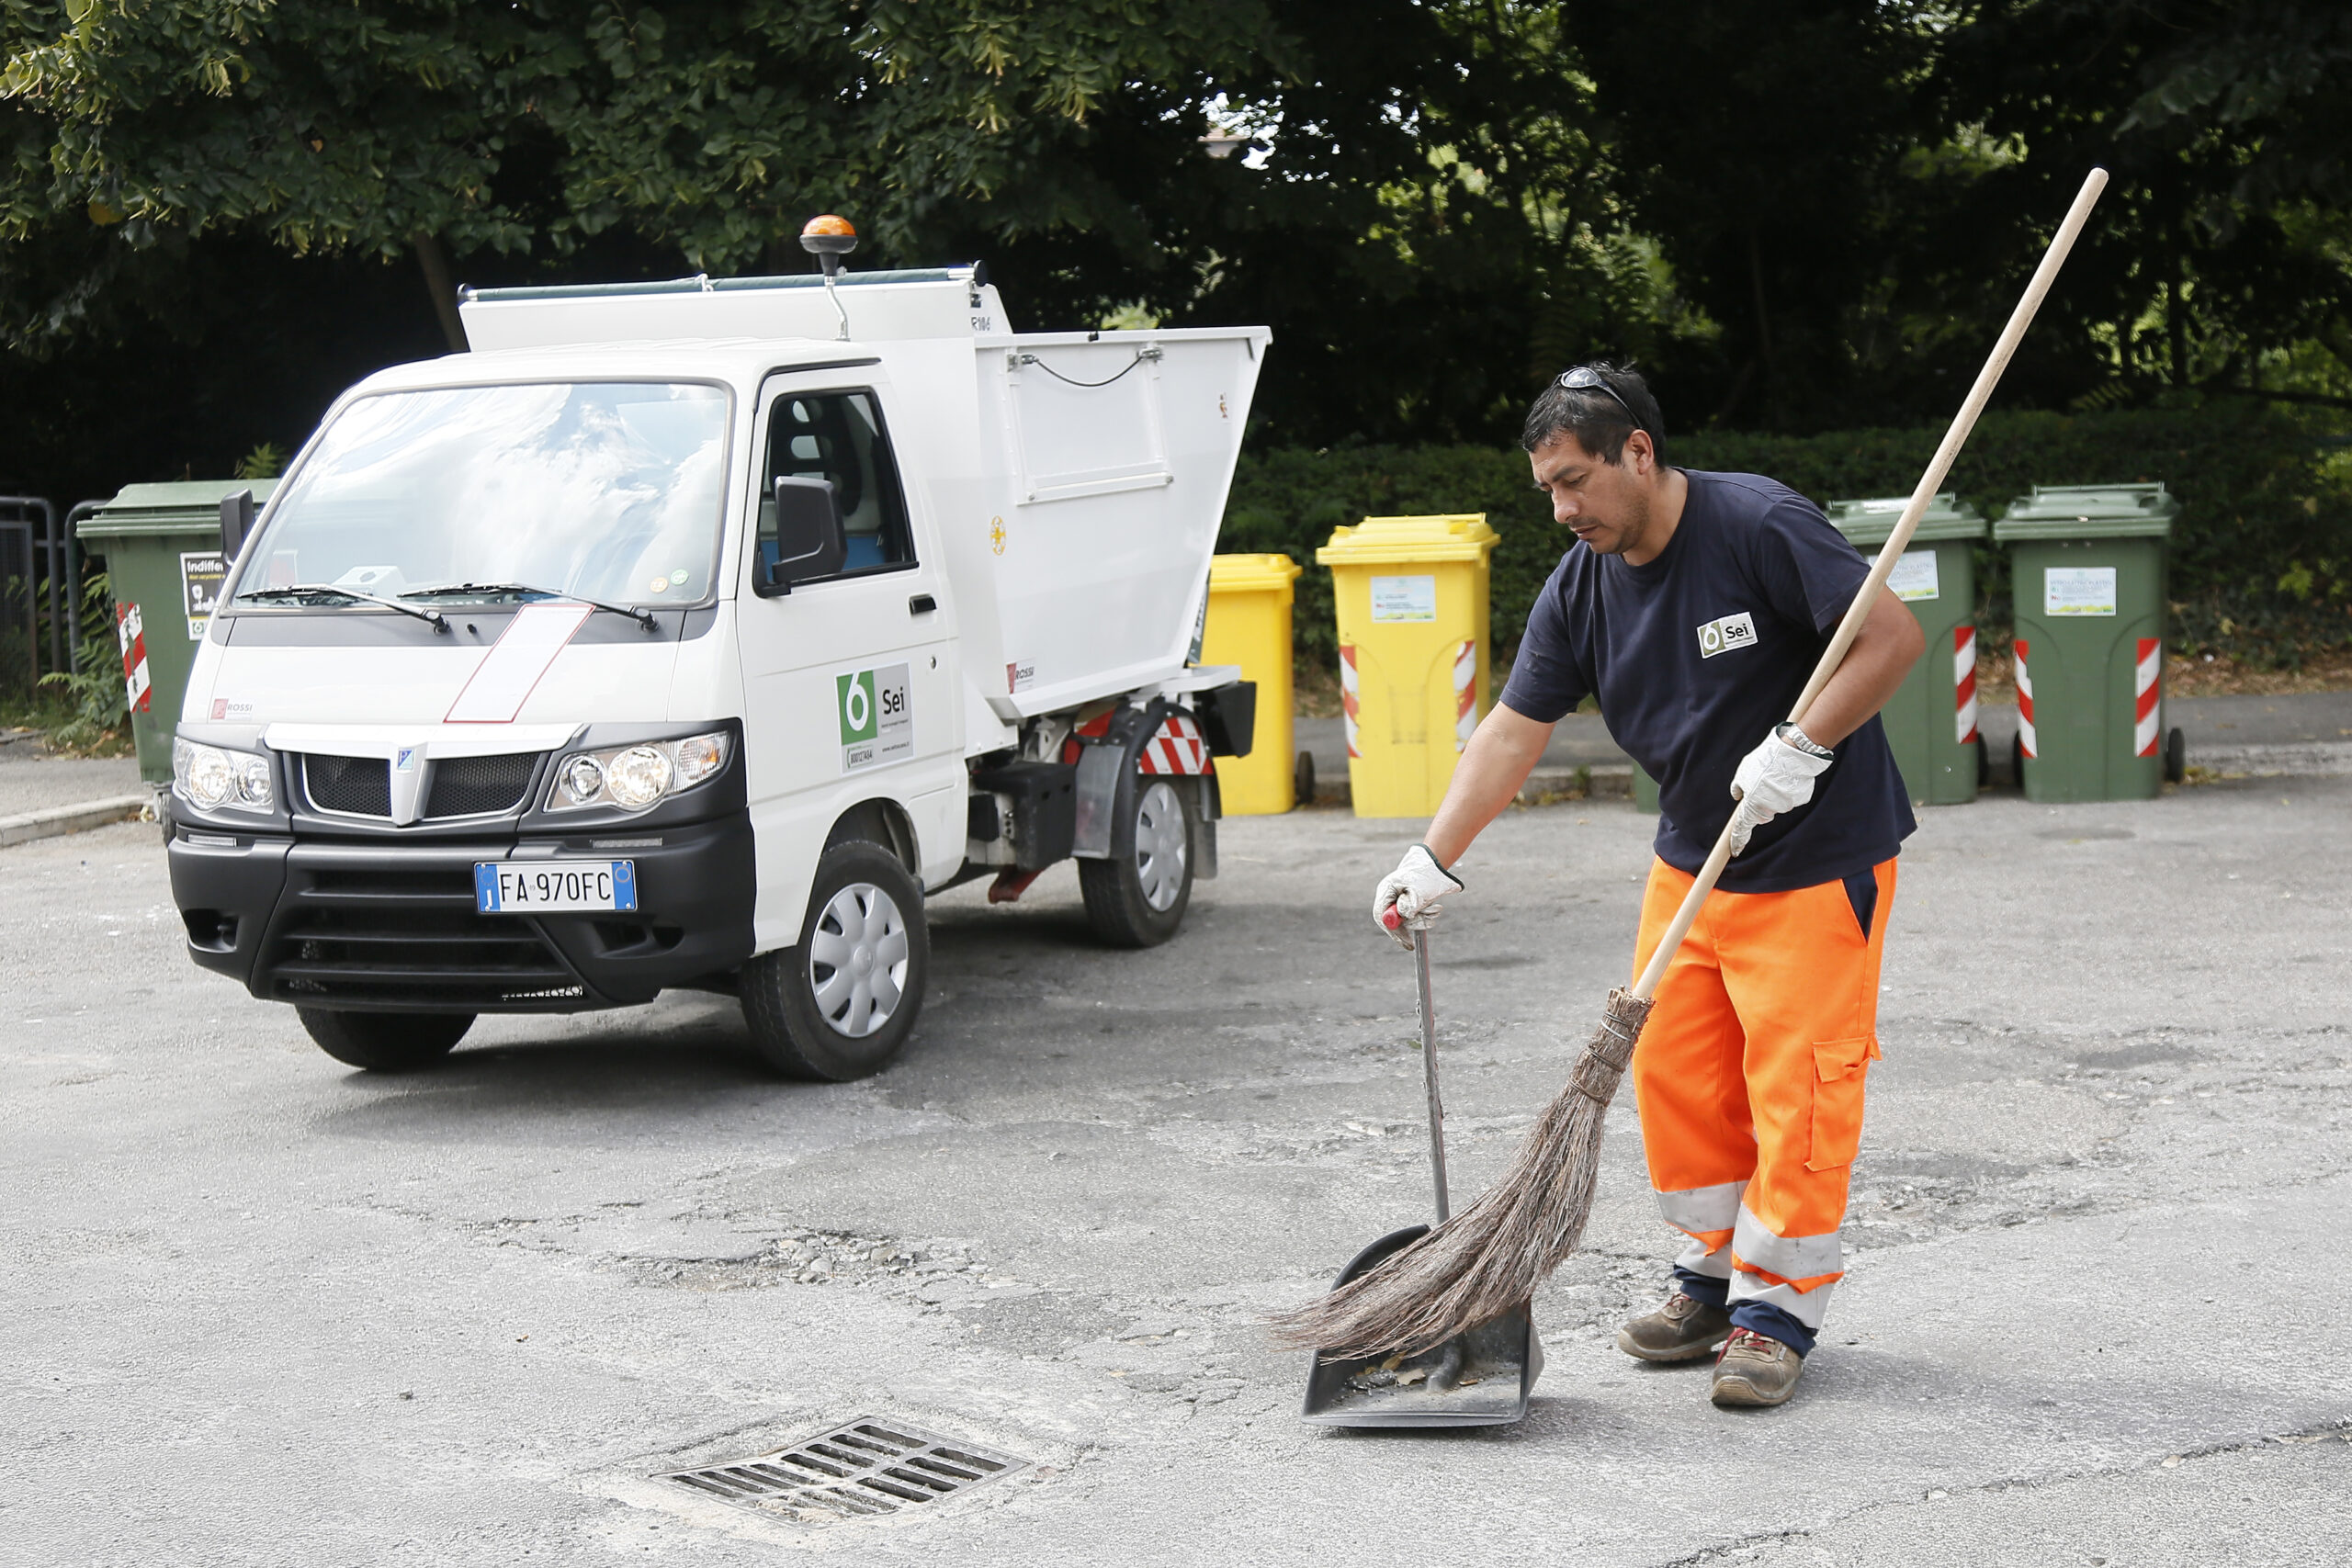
[(553, 886)]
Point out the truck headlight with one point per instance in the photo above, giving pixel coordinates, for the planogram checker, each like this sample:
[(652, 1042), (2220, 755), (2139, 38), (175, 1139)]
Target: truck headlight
[(635, 777), (214, 778), (639, 776), (583, 781)]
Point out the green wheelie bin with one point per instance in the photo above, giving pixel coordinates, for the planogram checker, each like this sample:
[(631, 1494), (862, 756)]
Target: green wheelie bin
[(2087, 568), (163, 549), (1931, 720)]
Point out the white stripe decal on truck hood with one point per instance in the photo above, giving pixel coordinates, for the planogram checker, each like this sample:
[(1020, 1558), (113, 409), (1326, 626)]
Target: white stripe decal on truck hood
[(515, 661)]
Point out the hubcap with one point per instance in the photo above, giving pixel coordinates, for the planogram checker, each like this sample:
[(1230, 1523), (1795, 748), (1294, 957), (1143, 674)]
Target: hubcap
[(857, 960), (1161, 847)]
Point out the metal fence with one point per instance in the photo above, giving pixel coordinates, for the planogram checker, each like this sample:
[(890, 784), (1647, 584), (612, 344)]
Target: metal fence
[(40, 577), (19, 629)]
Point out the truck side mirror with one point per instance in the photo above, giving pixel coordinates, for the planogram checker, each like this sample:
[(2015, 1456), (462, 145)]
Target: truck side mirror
[(237, 522), (810, 539)]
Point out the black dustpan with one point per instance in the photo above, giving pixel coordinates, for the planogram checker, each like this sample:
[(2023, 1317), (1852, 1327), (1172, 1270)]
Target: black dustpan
[(1483, 1376)]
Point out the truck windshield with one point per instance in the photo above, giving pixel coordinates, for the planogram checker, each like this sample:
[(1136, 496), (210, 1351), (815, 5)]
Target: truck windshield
[(608, 491)]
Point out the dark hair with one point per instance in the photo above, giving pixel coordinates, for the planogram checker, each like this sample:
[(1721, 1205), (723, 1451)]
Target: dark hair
[(1599, 422)]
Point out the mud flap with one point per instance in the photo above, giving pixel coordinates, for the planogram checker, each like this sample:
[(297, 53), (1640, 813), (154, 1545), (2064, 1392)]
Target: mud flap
[(1106, 783)]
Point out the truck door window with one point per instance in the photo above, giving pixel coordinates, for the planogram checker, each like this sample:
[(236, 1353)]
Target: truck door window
[(838, 436)]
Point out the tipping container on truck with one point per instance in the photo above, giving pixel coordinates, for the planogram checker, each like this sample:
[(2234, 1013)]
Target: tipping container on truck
[(689, 635)]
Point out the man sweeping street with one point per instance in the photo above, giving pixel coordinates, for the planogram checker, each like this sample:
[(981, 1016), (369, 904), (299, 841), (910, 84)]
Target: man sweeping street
[(1693, 606)]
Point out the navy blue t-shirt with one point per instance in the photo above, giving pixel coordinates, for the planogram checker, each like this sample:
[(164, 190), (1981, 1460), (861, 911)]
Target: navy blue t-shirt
[(1696, 655)]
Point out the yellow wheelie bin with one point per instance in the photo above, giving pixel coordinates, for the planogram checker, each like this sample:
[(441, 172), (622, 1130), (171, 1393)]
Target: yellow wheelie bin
[(1411, 594), (1249, 624)]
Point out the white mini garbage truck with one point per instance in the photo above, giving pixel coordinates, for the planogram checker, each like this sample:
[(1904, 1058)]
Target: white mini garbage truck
[(686, 635)]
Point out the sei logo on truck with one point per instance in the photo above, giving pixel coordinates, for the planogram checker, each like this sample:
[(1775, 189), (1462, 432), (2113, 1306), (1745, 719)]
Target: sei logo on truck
[(877, 721), (1732, 631)]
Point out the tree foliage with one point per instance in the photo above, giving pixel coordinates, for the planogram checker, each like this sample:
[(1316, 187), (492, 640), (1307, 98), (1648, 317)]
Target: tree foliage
[(2224, 123), (1797, 214), (710, 127)]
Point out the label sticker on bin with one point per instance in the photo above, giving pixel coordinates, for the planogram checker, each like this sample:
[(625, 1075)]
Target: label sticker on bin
[(553, 886), (1914, 576), (202, 575), (1403, 598), (2078, 590)]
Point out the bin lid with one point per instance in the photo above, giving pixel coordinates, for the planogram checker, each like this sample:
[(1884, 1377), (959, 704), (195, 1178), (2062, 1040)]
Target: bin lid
[(2089, 511), (1870, 522), (1248, 573), (1462, 536), (184, 506)]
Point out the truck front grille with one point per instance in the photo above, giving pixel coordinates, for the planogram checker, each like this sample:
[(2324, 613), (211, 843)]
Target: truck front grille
[(356, 786), (475, 786), (408, 936), (458, 786)]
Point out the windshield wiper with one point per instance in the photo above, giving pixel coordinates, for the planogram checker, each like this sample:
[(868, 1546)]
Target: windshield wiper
[(327, 590), (452, 589)]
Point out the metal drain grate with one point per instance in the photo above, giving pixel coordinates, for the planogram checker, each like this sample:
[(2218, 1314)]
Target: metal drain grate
[(869, 1467)]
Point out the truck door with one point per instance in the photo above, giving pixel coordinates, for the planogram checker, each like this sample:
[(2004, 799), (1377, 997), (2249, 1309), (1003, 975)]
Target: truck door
[(849, 680)]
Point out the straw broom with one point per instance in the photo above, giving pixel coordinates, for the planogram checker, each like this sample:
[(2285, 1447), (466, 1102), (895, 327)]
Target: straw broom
[(1489, 1258)]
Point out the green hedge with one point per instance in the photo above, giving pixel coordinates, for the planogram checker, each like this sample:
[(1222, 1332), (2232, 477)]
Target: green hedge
[(2262, 556)]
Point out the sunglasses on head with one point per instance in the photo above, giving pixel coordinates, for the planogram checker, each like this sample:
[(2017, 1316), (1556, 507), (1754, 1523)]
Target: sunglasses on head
[(1585, 378)]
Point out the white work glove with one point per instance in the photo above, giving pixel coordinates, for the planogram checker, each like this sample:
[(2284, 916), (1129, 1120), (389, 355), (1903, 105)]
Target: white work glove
[(1407, 898), (1776, 777)]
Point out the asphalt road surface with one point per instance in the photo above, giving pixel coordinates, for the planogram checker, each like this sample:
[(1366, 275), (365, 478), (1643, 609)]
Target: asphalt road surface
[(261, 1309)]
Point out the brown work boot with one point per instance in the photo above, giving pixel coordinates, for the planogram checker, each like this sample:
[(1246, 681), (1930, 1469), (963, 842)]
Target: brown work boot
[(1755, 1369), (1682, 1330)]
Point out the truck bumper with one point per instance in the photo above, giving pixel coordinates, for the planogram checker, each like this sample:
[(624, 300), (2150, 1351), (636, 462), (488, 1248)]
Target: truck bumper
[(374, 927)]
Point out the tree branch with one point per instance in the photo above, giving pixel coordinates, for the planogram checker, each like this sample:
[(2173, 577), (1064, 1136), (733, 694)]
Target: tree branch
[(435, 264)]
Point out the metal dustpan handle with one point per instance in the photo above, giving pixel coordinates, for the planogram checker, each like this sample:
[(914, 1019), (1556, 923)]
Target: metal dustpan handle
[(1429, 1071)]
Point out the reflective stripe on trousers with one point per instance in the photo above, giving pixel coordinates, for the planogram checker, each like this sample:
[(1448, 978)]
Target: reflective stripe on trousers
[(1749, 1079), (1707, 1212), (1808, 1306)]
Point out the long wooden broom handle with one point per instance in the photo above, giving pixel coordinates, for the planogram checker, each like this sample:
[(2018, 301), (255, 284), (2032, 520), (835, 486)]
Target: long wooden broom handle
[(1892, 551)]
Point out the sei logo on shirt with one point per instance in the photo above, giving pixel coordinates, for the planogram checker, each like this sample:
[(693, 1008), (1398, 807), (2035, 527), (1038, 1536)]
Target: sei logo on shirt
[(1732, 631)]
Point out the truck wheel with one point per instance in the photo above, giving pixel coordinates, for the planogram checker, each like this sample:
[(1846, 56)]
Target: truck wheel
[(385, 1042), (2175, 756), (840, 1005), (1140, 901)]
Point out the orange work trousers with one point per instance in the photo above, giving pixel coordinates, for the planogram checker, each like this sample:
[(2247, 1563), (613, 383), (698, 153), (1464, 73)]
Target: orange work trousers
[(1749, 1079)]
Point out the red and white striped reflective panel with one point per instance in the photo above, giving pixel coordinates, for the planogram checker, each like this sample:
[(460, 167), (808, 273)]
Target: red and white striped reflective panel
[(2147, 688), (1348, 692), (1177, 749), (1466, 692), (1963, 682), (1071, 748), (2025, 704), (130, 630)]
